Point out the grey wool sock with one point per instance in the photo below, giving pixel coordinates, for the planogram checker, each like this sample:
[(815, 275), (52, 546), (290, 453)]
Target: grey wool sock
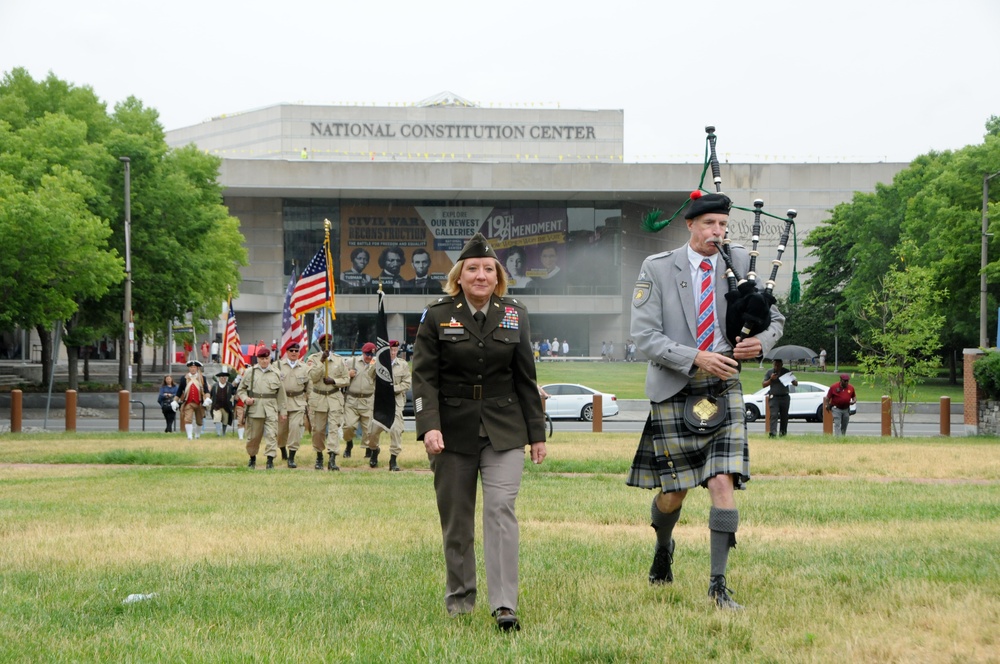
[(663, 524), (722, 524)]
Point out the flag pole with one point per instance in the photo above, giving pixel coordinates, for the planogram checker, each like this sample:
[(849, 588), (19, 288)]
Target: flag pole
[(327, 224)]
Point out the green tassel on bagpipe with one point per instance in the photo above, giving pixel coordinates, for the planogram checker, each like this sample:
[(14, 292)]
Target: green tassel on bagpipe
[(652, 224), (795, 292)]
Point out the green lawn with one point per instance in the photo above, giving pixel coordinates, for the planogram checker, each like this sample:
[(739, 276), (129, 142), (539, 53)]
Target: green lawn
[(626, 379), (848, 551)]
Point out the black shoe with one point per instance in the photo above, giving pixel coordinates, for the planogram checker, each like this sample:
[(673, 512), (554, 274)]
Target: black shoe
[(319, 461), (506, 620), (368, 453), (291, 459), (348, 448), (393, 466), (270, 463), (333, 463), (374, 460), (284, 453), (253, 462), (718, 591), (663, 558)]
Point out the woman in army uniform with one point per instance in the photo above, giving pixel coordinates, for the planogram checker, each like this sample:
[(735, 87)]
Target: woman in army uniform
[(477, 406)]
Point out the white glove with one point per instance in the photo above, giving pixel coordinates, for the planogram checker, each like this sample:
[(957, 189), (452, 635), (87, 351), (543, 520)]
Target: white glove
[(174, 405), (208, 402)]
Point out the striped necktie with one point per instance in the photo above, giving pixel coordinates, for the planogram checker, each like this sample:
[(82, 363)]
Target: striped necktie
[(706, 308)]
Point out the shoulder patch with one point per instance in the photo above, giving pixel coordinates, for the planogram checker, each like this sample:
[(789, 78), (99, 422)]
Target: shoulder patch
[(641, 293), (663, 254)]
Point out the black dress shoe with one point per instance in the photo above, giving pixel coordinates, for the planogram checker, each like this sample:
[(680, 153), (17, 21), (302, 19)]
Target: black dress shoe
[(663, 558), (507, 620)]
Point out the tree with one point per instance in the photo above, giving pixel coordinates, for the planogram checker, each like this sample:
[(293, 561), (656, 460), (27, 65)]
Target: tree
[(901, 321), (62, 183)]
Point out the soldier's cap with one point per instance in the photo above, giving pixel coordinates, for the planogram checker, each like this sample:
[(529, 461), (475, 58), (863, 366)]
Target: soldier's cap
[(222, 374), (293, 346), (707, 203), (325, 335), (368, 348), (477, 247), (195, 363), (263, 352), (393, 343), (845, 376)]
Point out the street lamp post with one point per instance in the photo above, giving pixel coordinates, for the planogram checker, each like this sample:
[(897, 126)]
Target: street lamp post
[(127, 315), (983, 340)]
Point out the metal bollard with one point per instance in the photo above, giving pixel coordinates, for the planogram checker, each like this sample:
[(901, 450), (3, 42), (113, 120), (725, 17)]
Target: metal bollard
[(15, 410), (123, 412), (70, 410), (886, 415), (827, 422), (767, 414), (598, 410), (945, 416)]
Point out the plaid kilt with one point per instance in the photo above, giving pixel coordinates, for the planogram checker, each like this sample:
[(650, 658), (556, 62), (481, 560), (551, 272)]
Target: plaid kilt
[(672, 458)]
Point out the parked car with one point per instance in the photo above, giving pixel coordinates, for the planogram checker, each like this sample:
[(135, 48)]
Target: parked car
[(569, 400), (806, 402)]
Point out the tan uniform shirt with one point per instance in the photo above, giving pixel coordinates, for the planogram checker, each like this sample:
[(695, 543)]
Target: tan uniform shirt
[(265, 387)]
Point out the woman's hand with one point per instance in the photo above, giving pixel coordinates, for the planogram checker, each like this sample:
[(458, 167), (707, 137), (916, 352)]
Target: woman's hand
[(434, 442), (538, 452)]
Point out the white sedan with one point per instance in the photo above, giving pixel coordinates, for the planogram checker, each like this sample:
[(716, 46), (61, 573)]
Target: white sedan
[(806, 402), (568, 400)]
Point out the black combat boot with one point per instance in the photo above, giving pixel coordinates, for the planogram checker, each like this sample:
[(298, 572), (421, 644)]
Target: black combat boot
[(291, 459), (270, 463), (348, 448), (332, 465), (368, 453), (392, 463), (253, 462), (374, 460), (319, 461), (284, 453)]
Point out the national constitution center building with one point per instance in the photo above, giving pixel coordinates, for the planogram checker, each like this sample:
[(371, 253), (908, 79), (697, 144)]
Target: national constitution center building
[(405, 186)]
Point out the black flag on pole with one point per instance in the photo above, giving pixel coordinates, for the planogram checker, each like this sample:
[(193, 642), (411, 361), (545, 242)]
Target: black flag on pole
[(384, 411)]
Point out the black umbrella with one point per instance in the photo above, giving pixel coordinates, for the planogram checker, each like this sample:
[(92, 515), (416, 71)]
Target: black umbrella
[(791, 354)]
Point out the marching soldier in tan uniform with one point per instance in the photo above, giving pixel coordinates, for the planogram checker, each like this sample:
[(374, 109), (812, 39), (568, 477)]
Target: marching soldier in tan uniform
[(328, 376), (264, 395), (400, 384), (360, 399), (295, 377)]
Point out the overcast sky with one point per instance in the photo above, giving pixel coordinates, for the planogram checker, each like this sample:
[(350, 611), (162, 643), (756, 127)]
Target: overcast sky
[(851, 80)]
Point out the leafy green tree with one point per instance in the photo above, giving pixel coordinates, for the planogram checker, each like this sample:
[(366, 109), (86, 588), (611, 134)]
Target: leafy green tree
[(899, 341), (62, 208)]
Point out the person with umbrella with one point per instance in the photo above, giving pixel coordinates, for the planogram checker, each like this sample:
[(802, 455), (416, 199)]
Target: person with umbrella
[(779, 396)]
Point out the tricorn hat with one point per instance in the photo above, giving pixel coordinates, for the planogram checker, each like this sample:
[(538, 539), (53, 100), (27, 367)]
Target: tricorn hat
[(477, 247), (222, 374), (706, 203), (195, 363)]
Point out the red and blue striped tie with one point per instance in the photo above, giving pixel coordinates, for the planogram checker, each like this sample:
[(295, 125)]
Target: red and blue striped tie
[(706, 308)]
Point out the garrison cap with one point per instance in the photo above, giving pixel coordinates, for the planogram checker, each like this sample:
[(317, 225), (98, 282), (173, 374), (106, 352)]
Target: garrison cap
[(477, 247)]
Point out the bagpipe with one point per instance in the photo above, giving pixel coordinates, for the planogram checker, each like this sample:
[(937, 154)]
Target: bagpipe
[(748, 306)]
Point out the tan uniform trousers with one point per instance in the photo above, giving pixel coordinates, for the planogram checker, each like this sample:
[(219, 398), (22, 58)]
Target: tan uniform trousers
[(327, 425), (290, 431), (395, 435), (266, 428), (358, 410)]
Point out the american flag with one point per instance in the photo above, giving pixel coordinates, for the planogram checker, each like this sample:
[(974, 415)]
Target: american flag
[(384, 407), (232, 353), (292, 330), (315, 288)]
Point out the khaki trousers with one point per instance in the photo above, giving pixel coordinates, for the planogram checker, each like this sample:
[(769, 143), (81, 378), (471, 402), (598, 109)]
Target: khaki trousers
[(455, 477), (266, 428), (291, 429)]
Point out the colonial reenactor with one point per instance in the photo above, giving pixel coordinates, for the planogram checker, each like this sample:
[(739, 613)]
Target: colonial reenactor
[(400, 384), (223, 395), (328, 377), (191, 395), (359, 402), (264, 395), (295, 377)]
